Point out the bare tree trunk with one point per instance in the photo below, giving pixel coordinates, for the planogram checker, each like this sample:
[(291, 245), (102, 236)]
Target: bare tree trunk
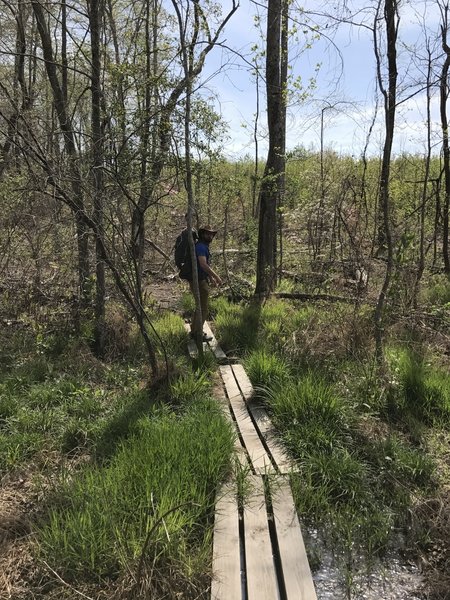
[(424, 197), (444, 92), (22, 100), (64, 49), (188, 59), (255, 206), (97, 168), (118, 85), (284, 62), (70, 147), (271, 184), (391, 23), (437, 216), (146, 187), (163, 125)]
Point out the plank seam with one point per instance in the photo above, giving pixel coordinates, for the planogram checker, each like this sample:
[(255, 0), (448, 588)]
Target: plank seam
[(274, 541), (235, 424), (246, 424), (255, 425)]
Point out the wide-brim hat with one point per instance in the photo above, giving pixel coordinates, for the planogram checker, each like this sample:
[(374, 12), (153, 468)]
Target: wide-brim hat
[(207, 229)]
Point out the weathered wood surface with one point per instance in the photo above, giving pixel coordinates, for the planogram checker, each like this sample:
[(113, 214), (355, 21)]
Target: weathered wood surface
[(241, 453), (262, 420), (260, 567), (252, 442), (214, 344), (297, 576), (226, 583), (263, 576)]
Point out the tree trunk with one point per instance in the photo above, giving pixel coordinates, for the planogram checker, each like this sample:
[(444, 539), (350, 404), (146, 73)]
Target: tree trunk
[(187, 54), (69, 144), (97, 172), (284, 64), (162, 132), (389, 95), (445, 141), (146, 187), (426, 181), (271, 185)]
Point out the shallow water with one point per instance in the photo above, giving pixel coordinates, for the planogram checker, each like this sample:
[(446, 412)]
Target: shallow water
[(390, 579)]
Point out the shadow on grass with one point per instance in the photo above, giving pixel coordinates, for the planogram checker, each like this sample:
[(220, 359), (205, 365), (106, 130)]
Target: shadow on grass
[(122, 425), (240, 329)]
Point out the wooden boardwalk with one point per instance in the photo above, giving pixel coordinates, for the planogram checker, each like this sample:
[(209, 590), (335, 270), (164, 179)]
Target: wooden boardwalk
[(258, 549)]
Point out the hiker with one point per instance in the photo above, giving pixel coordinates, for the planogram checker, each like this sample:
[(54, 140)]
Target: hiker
[(205, 274)]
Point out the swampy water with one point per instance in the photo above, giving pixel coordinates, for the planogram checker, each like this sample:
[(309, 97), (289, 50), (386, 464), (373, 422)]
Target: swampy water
[(389, 579)]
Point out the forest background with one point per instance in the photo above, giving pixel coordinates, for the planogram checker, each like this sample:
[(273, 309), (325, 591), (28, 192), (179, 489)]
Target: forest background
[(109, 134)]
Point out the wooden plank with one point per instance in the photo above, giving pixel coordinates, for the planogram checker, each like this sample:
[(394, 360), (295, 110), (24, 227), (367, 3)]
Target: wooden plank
[(214, 344), (192, 348), (226, 583), (260, 566), (262, 421), (256, 451), (238, 448), (278, 453), (244, 382), (297, 576)]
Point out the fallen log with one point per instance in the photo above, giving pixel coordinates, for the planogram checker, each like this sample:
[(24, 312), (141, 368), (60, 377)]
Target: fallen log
[(315, 297)]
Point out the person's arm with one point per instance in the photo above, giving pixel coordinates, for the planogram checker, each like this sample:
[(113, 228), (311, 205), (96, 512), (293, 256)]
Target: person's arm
[(205, 267)]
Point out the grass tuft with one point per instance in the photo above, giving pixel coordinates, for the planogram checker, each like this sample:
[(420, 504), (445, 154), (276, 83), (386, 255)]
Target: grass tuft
[(417, 389), (190, 388), (266, 370), (171, 332)]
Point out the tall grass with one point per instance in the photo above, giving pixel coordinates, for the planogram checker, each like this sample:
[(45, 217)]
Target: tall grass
[(358, 487), (105, 515), (417, 389), (170, 332), (56, 403), (244, 328), (438, 290), (357, 475), (310, 414), (266, 370), (237, 327)]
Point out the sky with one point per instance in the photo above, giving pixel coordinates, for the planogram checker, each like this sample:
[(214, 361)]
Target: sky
[(345, 85)]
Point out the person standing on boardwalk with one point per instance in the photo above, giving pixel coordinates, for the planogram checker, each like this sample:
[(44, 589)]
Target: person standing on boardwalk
[(205, 275)]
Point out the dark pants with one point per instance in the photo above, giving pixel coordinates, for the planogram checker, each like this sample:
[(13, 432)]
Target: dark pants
[(204, 297)]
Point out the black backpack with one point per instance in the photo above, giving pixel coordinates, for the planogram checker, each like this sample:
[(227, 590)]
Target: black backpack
[(182, 255)]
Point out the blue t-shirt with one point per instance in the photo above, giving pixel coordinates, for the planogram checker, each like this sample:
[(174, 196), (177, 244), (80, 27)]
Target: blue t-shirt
[(202, 249)]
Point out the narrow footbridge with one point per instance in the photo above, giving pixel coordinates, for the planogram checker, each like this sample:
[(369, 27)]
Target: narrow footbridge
[(258, 548)]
